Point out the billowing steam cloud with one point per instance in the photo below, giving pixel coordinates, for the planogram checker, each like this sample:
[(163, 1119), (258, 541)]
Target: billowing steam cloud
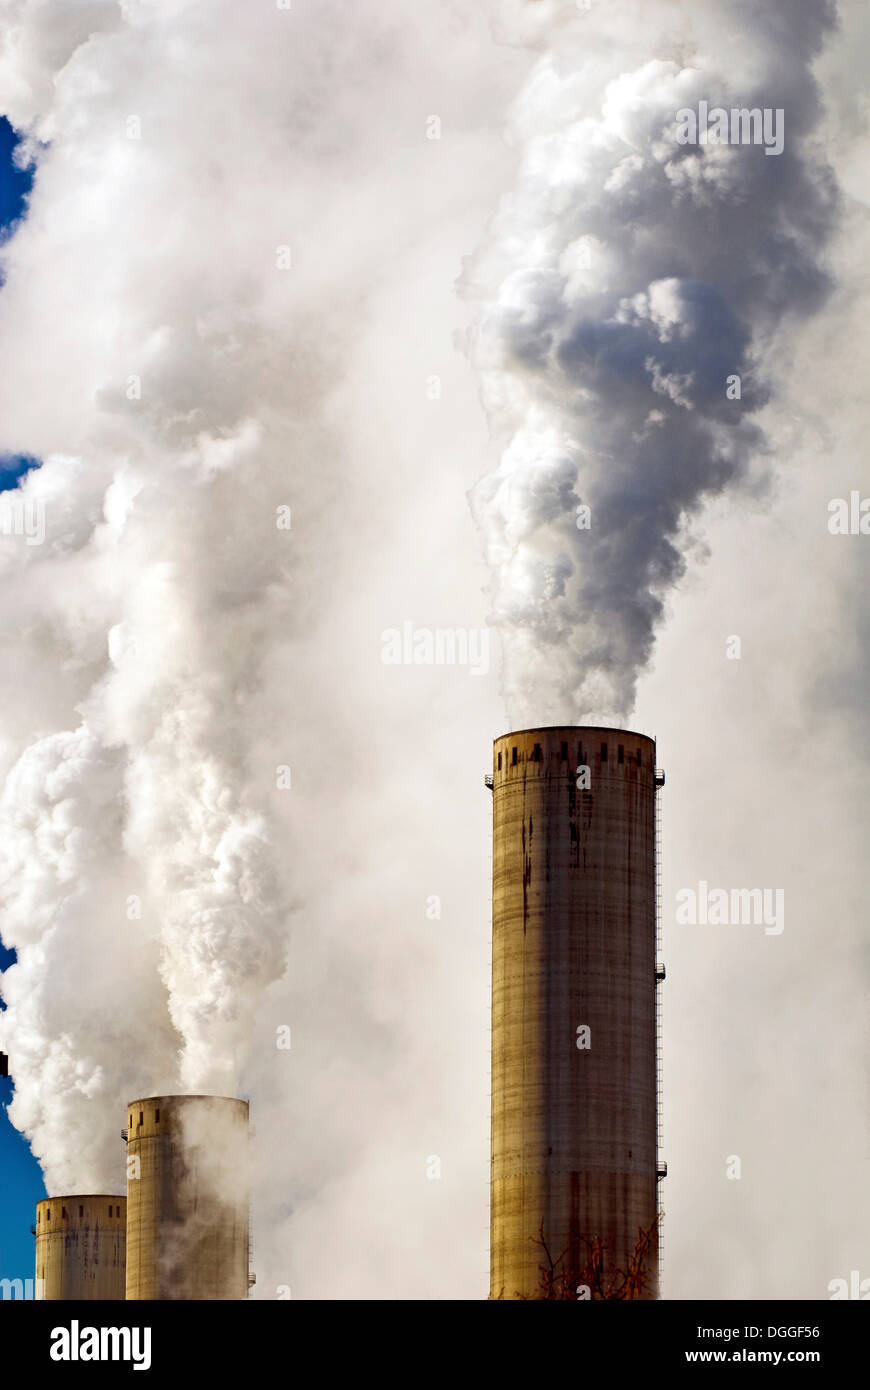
[(133, 850), (138, 873), (630, 287)]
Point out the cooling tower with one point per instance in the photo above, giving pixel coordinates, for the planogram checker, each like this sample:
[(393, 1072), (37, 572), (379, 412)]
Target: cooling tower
[(80, 1244), (574, 1063), (187, 1198)]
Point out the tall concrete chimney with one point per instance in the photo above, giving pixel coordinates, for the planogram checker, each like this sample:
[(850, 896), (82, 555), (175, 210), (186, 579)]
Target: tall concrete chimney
[(187, 1198), (574, 1208), (80, 1245)]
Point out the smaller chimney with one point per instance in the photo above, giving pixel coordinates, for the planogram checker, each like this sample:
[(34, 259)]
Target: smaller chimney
[(81, 1248)]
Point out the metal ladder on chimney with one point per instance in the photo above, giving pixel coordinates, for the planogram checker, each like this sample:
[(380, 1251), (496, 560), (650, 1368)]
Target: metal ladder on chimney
[(252, 1278)]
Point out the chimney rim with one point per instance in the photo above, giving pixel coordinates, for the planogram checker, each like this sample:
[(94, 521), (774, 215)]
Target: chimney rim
[(181, 1096), (574, 729)]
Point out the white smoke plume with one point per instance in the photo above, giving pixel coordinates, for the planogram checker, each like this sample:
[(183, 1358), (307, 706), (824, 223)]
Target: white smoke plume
[(138, 863), (134, 840), (623, 281)]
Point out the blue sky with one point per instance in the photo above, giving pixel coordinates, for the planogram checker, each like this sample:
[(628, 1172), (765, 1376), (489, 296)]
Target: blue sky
[(14, 183), (21, 1184)]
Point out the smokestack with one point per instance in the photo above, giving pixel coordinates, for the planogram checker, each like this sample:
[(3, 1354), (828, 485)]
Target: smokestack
[(187, 1198), (80, 1248), (574, 1063)]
